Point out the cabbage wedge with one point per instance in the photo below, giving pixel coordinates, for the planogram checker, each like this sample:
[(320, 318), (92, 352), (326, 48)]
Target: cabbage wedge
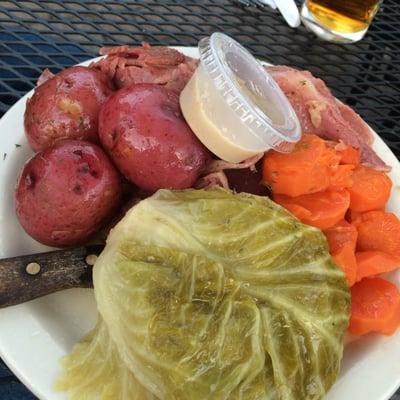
[(207, 294)]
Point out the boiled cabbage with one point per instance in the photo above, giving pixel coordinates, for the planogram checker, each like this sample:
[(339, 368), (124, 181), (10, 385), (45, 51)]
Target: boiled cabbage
[(207, 294)]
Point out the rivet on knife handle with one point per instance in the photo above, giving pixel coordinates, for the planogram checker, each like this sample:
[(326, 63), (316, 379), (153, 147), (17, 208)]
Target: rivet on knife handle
[(27, 277)]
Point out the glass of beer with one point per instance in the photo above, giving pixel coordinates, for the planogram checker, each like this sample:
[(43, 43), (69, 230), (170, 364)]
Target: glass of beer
[(344, 21)]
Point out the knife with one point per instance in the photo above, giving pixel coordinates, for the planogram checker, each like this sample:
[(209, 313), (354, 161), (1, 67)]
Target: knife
[(28, 277)]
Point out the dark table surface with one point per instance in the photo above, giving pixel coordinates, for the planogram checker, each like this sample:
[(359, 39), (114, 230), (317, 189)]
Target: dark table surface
[(55, 34)]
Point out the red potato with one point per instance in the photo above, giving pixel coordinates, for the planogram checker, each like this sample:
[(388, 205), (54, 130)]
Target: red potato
[(66, 193), (144, 132), (66, 107)]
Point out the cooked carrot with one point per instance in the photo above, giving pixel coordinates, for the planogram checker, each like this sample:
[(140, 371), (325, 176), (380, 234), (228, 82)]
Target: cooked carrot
[(378, 230), (375, 307), (370, 190), (322, 209), (298, 211), (349, 155), (341, 177), (353, 216), (345, 259), (341, 234), (342, 239), (305, 170), (370, 263)]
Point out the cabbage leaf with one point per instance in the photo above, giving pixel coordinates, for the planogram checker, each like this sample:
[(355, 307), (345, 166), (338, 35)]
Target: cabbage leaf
[(207, 294)]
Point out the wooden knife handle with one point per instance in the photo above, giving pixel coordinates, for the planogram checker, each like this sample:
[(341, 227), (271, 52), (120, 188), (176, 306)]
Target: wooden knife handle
[(27, 277)]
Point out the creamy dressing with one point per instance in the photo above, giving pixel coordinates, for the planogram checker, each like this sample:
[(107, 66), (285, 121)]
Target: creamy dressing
[(234, 106), (214, 123)]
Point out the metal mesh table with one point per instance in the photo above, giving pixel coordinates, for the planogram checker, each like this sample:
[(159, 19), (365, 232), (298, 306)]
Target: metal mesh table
[(55, 34)]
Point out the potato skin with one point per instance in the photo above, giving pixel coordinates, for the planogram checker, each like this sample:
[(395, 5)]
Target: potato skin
[(67, 193), (143, 130), (66, 107)]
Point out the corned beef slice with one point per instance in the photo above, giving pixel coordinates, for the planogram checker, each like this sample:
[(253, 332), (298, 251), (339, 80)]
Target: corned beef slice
[(321, 113), (146, 64)]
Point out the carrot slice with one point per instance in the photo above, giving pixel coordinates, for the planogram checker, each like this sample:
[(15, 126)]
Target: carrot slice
[(371, 263), (341, 234), (298, 211), (322, 209), (378, 230), (305, 170), (353, 216), (370, 190), (342, 239), (345, 259), (375, 307), (341, 177), (349, 155)]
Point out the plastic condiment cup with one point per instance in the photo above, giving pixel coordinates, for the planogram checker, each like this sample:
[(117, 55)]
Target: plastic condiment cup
[(234, 106)]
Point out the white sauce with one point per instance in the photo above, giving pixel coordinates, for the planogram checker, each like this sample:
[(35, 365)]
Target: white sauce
[(215, 122)]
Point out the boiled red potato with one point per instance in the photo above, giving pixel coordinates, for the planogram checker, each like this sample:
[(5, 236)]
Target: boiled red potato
[(67, 193), (144, 132), (66, 107)]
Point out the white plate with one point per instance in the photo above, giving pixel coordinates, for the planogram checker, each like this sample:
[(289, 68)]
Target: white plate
[(34, 335)]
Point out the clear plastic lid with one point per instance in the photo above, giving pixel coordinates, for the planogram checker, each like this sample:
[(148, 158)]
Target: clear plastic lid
[(250, 92)]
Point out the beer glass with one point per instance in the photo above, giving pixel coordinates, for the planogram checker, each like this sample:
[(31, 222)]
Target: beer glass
[(344, 21)]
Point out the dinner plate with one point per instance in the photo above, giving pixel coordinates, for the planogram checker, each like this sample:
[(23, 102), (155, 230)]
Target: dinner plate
[(35, 335)]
